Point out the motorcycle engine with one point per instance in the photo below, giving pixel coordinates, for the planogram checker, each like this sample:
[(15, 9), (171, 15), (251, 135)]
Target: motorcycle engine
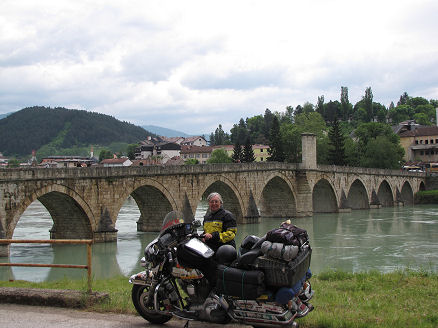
[(211, 311)]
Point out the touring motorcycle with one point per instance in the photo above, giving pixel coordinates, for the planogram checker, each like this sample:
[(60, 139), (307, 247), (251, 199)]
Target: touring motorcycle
[(185, 278)]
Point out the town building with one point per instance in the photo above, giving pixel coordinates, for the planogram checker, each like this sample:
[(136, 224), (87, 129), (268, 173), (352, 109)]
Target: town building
[(155, 149), (420, 144), (113, 162), (194, 141), (201, 153), (66, 161), (187, 141)]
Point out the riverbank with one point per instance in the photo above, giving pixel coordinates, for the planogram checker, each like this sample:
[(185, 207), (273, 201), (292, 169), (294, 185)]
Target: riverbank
[(397, 299)]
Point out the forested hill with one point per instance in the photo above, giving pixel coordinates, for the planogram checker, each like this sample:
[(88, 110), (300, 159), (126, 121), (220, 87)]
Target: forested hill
[(31, 128)]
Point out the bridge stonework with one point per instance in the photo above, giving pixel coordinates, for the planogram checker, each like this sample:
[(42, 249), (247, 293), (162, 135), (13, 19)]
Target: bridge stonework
[(85, 202)]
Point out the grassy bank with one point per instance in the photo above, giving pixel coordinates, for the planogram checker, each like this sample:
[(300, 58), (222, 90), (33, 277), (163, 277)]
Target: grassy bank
[(426, 197), (398, 299)]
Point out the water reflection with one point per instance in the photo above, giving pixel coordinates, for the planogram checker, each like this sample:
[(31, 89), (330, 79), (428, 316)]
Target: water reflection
[(379, 239)]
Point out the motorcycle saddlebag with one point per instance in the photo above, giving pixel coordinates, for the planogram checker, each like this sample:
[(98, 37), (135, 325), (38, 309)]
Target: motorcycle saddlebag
[(247, 285), (279, 273)]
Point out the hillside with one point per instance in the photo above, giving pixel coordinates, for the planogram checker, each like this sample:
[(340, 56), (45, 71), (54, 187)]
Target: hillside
[(32, 128)]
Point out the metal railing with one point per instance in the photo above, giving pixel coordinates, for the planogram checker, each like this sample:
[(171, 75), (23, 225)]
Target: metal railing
[(89, 242)]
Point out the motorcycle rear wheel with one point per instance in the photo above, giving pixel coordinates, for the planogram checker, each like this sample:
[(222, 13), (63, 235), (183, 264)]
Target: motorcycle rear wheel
[(140, 295)]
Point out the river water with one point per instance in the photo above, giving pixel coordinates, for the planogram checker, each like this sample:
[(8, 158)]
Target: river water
[(385, 239)]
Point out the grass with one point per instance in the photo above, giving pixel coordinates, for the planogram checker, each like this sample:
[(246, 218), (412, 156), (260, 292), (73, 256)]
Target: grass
[(370, 299)]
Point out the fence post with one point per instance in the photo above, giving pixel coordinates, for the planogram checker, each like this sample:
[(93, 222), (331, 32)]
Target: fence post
[(89, 266)]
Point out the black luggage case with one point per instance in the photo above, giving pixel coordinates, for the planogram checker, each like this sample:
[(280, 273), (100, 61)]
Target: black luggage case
[(279, 273), (244, 284)]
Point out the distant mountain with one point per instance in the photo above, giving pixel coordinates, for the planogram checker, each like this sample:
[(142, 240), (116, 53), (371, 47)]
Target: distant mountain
[(60, 128), (5, 115), (160, 131)]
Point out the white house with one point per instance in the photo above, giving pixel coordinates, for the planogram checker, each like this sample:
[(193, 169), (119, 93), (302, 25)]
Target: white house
[(162, 150), (111, 162)]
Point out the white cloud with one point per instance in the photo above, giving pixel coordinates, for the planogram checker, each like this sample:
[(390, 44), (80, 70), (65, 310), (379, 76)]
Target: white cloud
[(195, 64)]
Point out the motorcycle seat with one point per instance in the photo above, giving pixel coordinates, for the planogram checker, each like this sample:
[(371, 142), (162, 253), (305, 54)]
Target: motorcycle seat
[(248, 258)]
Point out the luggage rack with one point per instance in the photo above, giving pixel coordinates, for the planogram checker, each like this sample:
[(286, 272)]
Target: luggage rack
[(279, 273)]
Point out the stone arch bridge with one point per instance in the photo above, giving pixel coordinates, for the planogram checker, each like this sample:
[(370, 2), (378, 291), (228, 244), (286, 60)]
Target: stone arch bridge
[(84, 202)]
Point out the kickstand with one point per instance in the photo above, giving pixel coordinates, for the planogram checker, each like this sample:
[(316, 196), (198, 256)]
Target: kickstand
[(187, 324)]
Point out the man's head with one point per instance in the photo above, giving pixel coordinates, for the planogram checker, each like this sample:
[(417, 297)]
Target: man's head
[(214, 201)]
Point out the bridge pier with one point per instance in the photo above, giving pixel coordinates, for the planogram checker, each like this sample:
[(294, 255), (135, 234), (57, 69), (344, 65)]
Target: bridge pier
[(344, 208), (150, 224), (4, 250), (252, 213), (104, 236), (304, 196)]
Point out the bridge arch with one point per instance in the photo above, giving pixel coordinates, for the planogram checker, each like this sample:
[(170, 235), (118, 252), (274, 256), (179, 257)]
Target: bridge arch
[(385, 194), (358, 196), (230, 194), (72, 217), (153, 200), (324, 197), (407, 194), (277, 198)]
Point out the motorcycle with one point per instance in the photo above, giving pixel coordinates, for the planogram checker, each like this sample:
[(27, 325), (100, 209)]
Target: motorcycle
[(184, 278)]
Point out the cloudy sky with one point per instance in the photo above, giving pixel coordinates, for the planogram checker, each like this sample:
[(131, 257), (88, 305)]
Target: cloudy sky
[(191, 65)]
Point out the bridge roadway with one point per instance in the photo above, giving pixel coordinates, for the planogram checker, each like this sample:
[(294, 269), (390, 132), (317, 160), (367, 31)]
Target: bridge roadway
[(84, 202)]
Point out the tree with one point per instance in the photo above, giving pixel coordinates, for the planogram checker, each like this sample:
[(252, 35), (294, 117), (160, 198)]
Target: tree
[(400, 113), (320, 105), (382, 153), (191, 161), (336, 154), (291, 140), (268, 118), (275, 151), (248, 152), (308, 107), (346, 107), (130, 151), (332, 110), (368, 104), (219, 137), (105, 154), (381, 112), (237, 153), (352, 153), (219, 156), (378, 146), (255, 127), (298, 110), (404, 98), (13, 162), (421, 118), (239, 132)]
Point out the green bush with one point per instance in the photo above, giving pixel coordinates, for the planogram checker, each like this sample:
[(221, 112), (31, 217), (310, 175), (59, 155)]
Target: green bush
[(426, 197)]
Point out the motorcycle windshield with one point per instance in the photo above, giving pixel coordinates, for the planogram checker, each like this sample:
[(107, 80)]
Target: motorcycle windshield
[(171, 219), (200, 248)]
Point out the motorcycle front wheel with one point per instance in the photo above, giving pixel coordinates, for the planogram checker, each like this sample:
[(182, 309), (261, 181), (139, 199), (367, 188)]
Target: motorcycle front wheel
[(140, 295)]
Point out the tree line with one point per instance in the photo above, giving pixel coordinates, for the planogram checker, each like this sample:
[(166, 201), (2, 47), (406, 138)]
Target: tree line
[(347, 134)]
